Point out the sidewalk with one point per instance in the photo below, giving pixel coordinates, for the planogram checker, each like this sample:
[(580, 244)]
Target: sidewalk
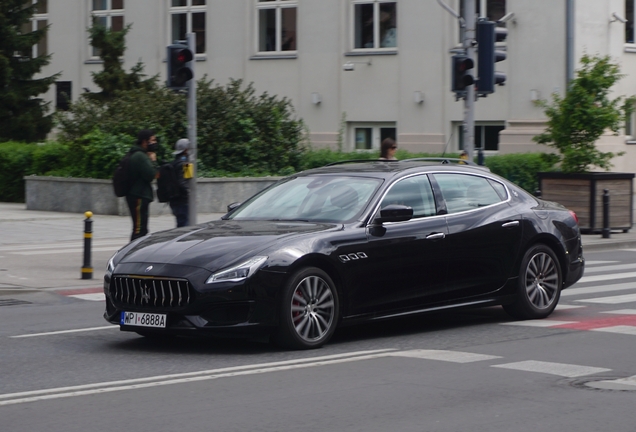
[(27, 238)]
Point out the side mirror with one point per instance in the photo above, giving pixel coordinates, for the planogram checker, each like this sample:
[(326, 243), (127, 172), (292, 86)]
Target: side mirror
[(394, 213), (232, 206)]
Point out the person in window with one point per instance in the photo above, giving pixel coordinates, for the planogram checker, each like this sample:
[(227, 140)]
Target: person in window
[(387, 149), (389, 30)]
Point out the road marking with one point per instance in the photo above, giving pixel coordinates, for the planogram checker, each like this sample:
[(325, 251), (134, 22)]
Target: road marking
[(621, 312), (58, 251), (90, 297), (598, 289), (65, 331), (621, 329), (627, 298), (566, 307), (628, 383), (610, 268), (64, 244), (538, 323), (442, 355), (585, 279), (591, 263), (560, 369), (136, 383)]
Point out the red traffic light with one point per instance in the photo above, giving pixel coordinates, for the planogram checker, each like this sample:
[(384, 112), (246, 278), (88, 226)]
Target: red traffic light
[(179, 66), (183, 55)]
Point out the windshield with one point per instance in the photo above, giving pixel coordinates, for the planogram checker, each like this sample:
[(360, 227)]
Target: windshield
[(314, 198)]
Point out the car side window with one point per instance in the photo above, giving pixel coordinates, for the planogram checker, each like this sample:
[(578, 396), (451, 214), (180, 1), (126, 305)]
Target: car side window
[(415, 192), (464, 192)]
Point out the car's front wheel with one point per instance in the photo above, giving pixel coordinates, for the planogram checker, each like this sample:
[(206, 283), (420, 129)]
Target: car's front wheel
[(309, 310), (539, 284)]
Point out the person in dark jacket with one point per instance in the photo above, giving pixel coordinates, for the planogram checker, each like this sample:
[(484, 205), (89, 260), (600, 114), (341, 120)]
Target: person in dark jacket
[(142, 170), (179, 205)]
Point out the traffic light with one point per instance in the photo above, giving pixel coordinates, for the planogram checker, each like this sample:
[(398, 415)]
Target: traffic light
[(487, 55), (179, 69), (462, 77)]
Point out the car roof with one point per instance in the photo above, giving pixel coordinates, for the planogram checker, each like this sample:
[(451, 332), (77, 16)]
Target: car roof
[(389, 168)]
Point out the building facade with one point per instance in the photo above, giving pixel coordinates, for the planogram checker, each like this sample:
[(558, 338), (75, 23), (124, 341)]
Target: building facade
[(359, 70)]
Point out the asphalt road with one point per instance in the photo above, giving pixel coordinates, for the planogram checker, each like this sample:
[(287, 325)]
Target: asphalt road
[(64, 369)]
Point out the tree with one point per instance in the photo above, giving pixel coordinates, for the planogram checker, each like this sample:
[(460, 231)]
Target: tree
[(23, 116), (577, 121), (113, 78)]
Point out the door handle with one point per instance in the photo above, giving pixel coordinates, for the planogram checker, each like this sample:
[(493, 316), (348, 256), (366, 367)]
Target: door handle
[(510, 224), (435, 236)]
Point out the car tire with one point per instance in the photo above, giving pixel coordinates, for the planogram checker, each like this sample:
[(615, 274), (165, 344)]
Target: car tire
[(538, 286), (309, 310)]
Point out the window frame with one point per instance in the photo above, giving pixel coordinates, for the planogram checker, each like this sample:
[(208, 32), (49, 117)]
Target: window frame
[(107, 13), (459, 128), (36, 19), (188, 10), (277, 6), (630, 46), (376, 137), (376, 27)]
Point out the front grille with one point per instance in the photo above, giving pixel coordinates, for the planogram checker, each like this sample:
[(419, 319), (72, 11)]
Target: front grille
[(150, 292)]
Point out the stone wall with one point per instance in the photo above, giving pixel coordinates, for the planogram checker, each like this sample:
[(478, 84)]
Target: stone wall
[(78, 195)]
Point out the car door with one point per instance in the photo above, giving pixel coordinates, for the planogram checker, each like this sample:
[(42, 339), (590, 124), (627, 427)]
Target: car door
[(484, 233), (406, 262)]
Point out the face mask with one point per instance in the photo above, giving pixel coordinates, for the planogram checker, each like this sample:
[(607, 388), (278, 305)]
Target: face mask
[(152, 148)]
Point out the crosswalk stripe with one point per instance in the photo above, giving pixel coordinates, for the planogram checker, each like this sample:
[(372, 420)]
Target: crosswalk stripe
[(610, 268), (67, 251), (442, 355), (90, 296), (585, 279), (560, 369), (621, 329), (591, 263), (566, 307), (538, 323), (598, 289), (621, 312), (627, 298)]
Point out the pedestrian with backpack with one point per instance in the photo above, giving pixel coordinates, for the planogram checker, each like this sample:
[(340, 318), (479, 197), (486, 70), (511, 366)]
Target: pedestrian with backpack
[(179, 202), (142, 170)]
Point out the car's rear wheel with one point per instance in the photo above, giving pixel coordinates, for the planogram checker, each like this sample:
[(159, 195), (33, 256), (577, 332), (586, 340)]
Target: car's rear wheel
[(539, 284), (309, 310)]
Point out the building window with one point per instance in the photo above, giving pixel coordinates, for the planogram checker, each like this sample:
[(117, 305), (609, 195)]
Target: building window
[(188, 16), (486, 136), (108, 13), (277, 25), (629, 25), (39, 21), (374, 24), (63, 95), (368, 136), (492, 10)]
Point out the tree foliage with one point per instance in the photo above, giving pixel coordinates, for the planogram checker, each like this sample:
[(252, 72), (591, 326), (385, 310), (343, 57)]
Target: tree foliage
[(23, 116), (111, 45), (577, 120)]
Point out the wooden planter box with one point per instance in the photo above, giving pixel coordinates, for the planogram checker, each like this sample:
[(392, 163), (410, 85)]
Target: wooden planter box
[(583, 194)]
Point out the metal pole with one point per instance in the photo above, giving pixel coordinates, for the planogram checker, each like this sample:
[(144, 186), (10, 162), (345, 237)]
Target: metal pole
[(469, 102), (569, 42), (606, 227), (87, 270), (192, 133)]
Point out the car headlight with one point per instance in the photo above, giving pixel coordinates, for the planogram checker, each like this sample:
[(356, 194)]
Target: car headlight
[(110, 267), (238, 272)]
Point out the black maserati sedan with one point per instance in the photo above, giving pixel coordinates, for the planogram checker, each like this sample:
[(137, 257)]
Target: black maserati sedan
[(348, 243)]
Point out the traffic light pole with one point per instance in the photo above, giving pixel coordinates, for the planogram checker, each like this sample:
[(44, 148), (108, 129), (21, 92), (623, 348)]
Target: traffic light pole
[(192, 133), (469, 102)]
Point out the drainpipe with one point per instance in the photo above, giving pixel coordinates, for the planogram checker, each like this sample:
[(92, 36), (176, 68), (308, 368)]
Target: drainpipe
[(569, 42)]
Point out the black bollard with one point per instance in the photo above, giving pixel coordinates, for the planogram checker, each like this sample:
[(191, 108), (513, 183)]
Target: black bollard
[(87, 270), (606, 229)]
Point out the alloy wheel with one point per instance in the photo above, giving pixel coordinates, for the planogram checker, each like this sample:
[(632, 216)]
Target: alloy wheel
[(313, 308), (542, 280)]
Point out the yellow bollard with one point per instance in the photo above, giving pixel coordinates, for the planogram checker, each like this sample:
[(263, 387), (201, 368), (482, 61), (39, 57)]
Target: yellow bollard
[(87, 270)]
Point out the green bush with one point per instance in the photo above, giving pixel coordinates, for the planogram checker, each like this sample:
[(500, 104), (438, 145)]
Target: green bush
[(522, 168), (15, 162), (50, 157)]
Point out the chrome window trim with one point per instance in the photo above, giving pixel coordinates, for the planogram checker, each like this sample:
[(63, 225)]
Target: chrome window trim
[(376, 208)]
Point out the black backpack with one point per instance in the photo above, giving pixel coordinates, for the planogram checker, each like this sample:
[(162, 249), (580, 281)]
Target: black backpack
[(121, 178), (168, 188)]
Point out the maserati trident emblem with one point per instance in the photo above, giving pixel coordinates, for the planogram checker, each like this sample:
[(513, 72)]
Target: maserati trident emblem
[(145, 294), (148, 269)]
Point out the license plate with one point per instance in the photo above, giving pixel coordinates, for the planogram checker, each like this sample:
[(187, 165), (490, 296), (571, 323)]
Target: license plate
[(142, 319)]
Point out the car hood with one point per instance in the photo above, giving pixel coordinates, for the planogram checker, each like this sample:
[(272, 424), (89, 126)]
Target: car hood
[(217, 244)]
